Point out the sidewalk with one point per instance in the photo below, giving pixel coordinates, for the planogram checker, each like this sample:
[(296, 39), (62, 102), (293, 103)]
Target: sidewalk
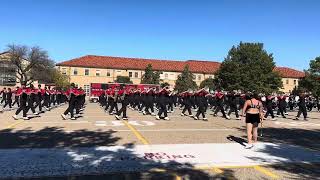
[(97, 160)]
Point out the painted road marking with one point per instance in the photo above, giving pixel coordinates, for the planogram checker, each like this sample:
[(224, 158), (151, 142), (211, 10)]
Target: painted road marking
[(266, 172), (59, 122), (217, 170), (109, 159), (125, 130), (184, 130), (136, 133), (121, 123), (14, 124), (296, 123)]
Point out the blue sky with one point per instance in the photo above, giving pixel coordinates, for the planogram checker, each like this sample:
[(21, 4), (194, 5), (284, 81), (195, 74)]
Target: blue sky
[(164, 29)]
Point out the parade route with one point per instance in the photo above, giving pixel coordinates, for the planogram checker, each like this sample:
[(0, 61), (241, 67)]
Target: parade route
[(94, 160), (98, 145)]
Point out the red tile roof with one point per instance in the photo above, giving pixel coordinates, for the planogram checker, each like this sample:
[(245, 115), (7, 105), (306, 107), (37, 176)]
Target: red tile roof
[(207, 67), (196, 66), (286, 72)]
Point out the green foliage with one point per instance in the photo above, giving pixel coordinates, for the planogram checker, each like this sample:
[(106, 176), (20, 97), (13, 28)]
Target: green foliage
[(150, 77), (250, 68), (123, 79), (209, 82), (60, 80), (185, 81), (311, 82), (164, 84)]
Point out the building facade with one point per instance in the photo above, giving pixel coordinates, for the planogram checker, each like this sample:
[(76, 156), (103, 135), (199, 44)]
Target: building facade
[(104, 69), (7, 71)]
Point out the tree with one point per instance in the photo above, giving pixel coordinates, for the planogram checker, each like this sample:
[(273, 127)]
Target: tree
[(164, 84), (150, 77), (185, 81), (60, 80), (311, 82), (209, 82), (248, 67), (31, 63), (123, 79)]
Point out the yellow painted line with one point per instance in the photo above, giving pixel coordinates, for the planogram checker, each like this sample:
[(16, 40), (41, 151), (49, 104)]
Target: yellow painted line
[(14, 124), (135, 132), (158, 170), (145, 141), (221, 167), (266, 172), (217, 170), (177, 177)]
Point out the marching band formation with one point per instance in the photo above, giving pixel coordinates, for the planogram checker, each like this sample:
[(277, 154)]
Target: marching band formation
[(147, 101), (31, 98), (164, 100)]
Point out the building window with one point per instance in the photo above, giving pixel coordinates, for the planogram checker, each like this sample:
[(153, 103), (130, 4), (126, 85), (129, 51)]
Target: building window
[(97, 72), (75, 71), (130, 74), (287, 81), (108, 73), (136, 74), (86, 72), (210, 77), (199, 77), (295, 82), (166, 75), (64, 71), (86, 89), (194, 77)]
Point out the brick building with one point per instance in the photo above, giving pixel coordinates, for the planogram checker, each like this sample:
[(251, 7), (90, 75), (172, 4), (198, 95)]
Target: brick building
[(104, 69)]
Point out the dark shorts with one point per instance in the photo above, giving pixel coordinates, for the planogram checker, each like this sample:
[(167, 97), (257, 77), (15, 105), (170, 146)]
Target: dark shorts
[(252, 118)]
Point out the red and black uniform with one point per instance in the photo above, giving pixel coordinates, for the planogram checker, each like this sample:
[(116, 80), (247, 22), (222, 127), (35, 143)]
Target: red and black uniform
[(149, 101), (32, 93), (9, 99), (59, 96), (52, 97), (108, 94), (232, 99), (4, 95), (142, 100), (123, 97), (187, 102), (269, 107), (46, 98), (219, 104), (39, 98), (80, 99), (16, 98), (162, 103), (71, 93), (201, 103), (22, 93), (281, 105)]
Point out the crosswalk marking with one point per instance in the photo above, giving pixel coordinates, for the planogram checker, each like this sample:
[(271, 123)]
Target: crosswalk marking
[(120, 123), (296, 123)]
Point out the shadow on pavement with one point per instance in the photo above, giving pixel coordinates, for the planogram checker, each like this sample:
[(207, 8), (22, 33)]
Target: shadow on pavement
[(307, 139), (79, 155)]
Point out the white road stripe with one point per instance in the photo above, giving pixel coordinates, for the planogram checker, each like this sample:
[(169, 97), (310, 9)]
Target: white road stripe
[(62, 121), (140, 130), (174, 130)]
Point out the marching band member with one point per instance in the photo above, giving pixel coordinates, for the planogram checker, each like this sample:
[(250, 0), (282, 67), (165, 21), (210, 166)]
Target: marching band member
[(163, 101), (23, 103)]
